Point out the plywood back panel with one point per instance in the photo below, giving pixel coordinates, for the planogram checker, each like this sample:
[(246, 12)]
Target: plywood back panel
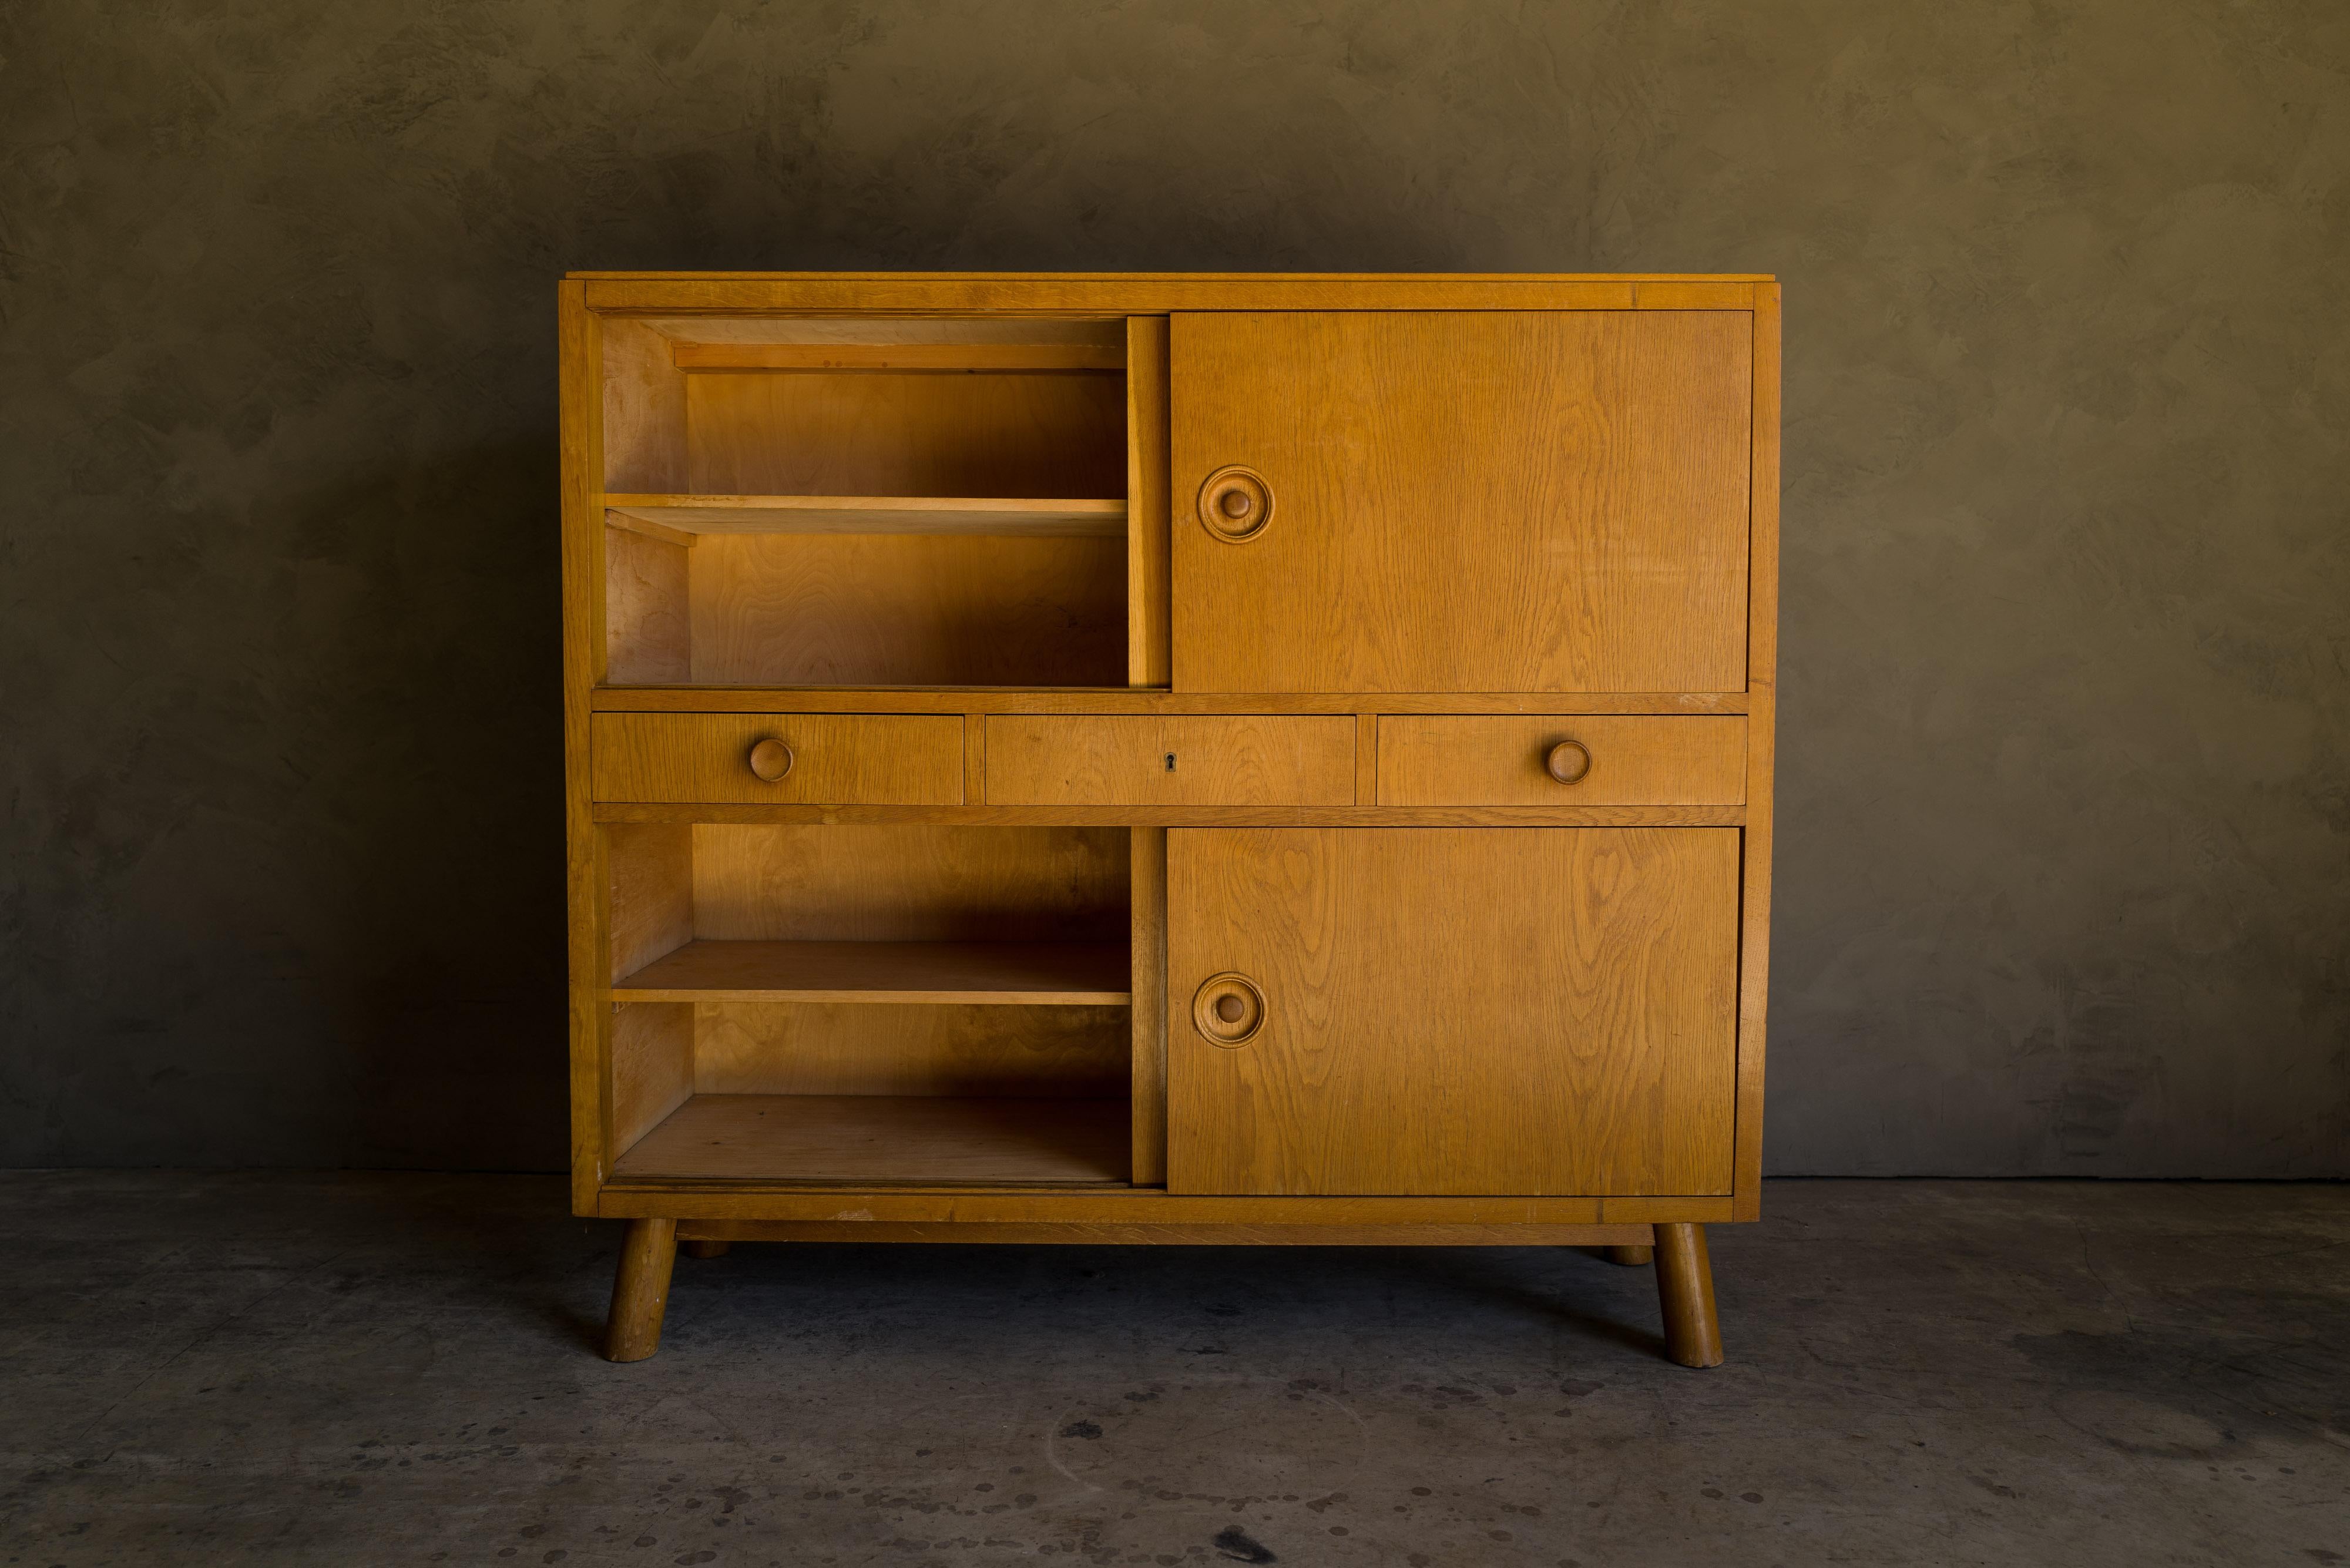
[(1059, 434), (900, 609), (788, 1048), (883, 883)]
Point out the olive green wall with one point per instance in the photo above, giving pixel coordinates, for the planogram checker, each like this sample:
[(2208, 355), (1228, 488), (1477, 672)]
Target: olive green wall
[(2064, 826)]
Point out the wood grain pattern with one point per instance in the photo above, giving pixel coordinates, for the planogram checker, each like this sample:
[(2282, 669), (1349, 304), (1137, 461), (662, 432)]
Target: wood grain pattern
[(1236, 760), (1762, 682), (1147, 950), (641, 1289), (881, 758), (1685, 1292), (646, 625), (642, 399), (846, 1048), (1220, 1235), (1706, 296), (1531, 1011), (1003, 974), (1101, 331), (1498, 761), (909, 883), (1148, 591), (652, 1068), (885, 1138), (964, 357), (650, 871), (1080, 700), (1533, 501), (912, 609), (1120, 294), (1083, 1205), (879, 433), (693, 516), (1187, 816), (580, 427)]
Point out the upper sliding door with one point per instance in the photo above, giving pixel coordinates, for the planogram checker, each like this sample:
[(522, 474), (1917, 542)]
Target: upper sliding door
[(1460, 501)]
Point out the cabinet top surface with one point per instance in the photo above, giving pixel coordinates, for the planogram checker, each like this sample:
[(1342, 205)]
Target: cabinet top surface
[(1197, 276)]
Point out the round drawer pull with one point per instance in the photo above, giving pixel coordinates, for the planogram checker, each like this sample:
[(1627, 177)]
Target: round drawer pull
[(1235, 505), (770, 760), (1568, 761), (1227, 1009)]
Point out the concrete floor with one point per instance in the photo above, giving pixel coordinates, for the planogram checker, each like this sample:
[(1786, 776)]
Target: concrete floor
[(386, 1369)]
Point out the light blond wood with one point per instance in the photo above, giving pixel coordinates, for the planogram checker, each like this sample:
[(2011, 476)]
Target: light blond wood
[(1707, 295), (1147, 950), (1683, 1209), (694, 331), (1762, 679), (1685, 1292), (885, 1138), (1122, 293), (1024, 700), (1223, 1235), (642, 398), (697, 514), (1531, 1011), (1083, 1204), (910, 883), (1190, 815), (1001, 974), (648, 529), (1148, 590), (928, 357), (580, 427), (893, 759), (1493, 761), (1235, 760), (646, 629), (821, 610), (651, 871), (879, 433), (1005, 1052), (641, 1289), (652, 1068), (1510, 502)]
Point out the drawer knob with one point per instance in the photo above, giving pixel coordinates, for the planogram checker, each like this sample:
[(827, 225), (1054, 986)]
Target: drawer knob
[(1227, 1009), (770, 760), (1235, 505), (1568, 761)]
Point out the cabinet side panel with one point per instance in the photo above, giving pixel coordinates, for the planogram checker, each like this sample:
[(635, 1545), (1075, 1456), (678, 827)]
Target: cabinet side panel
[(646, 623), (1762, 729), (582, 459), (642, 396), (652, 1067)]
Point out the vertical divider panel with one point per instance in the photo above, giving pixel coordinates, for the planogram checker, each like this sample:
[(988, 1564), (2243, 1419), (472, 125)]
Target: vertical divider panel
[(1366, 759), (1148, 657), (1147, 888), (1762, 716)]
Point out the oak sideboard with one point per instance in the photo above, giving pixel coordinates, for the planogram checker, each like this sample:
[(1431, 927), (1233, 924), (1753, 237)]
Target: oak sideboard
[(1254, 758)]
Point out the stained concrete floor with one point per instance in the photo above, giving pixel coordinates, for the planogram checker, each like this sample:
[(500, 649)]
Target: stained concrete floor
[(389, 1369)]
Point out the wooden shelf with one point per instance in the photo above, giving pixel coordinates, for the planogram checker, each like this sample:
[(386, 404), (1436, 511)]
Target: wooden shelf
[(1020, 974), (669, 516), (883, 1138)]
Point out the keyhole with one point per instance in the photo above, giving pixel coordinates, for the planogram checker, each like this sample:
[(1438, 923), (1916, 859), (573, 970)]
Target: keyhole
[(1171, 761)]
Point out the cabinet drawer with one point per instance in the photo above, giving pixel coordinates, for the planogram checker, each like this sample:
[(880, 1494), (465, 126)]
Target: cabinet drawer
[(1505, 760), (830, 759), (1141, 760)]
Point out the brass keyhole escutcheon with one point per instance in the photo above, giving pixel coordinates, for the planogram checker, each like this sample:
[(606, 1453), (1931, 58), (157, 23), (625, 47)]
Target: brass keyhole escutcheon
[(1569, 762), (770, 760), (1228, 1010), (1235, 505)]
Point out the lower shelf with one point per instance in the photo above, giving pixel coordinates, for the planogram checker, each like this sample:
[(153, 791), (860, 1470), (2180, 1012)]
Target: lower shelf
[(885, 1138)]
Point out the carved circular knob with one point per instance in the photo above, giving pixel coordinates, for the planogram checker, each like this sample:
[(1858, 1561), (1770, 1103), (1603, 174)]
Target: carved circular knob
[(1568, 761), (1227, 1009), (1235, 505), (770, 760)]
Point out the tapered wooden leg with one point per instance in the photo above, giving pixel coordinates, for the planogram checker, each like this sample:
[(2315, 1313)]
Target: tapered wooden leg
[(1632, 1257), (707, 1249), (1685, 1289), (640, 1293)]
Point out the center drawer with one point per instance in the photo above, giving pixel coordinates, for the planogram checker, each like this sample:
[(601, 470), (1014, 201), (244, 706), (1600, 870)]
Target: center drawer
[(1140, 759), (825, 759)]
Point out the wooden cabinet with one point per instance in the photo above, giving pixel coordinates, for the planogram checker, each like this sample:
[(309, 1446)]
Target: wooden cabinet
[(1168, 758)]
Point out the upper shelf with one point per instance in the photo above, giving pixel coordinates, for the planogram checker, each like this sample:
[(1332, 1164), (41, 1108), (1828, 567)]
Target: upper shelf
[(667, 516)]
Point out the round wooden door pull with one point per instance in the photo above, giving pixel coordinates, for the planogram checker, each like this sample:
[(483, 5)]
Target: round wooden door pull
[(770, 760), (1227, 1009), (1235, 505), (1568, 761)]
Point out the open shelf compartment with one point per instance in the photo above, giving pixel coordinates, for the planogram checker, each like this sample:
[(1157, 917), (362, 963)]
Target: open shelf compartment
[(898, 1004), (866, 500)]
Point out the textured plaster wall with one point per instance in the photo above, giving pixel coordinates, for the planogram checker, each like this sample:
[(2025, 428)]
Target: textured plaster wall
[(2065, 821)]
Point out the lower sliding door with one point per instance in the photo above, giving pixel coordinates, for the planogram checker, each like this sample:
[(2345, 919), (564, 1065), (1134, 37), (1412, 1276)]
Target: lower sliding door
[(1452, 1010)]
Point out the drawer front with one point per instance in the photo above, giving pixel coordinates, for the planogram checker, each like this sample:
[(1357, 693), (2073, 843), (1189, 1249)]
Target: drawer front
[(1140, 760), (1611, 761), (825, 759)]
